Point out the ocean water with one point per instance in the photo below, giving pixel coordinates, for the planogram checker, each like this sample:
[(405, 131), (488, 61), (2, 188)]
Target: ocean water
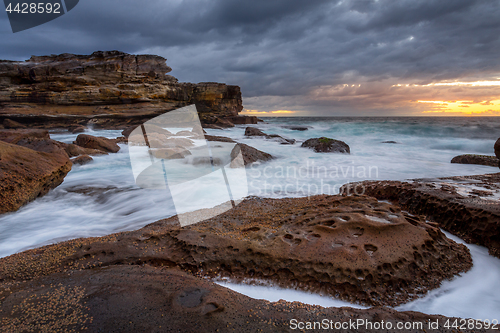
[(102, 198)]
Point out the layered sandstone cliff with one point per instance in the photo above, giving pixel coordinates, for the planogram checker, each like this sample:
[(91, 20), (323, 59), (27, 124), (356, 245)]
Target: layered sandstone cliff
[(105, 89)]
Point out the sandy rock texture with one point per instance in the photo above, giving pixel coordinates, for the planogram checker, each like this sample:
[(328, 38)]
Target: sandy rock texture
[(26, 174), (353, 248), (156, 298), (466, 206)]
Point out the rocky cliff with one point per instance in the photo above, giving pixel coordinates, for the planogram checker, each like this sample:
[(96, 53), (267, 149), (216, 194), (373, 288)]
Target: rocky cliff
[(106, 89)]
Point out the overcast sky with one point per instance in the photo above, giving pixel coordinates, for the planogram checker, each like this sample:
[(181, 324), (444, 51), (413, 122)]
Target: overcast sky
[(311, 57)]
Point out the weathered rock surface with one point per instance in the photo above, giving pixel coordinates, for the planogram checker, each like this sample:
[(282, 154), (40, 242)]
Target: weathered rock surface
[(250, 154), (39, 140), (354, 248), (82, 160), (99, 143), (252, 131), (327, 145), (152, 298), (26, 174), (78, 129), (476, 159), (104, 89), (10, 124), (466, 206)]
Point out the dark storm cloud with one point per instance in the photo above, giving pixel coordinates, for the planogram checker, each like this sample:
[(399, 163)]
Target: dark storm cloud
[(283, 47)]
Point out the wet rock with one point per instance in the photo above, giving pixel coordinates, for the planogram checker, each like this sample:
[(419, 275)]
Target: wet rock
[(296, 128), (327, 145), (218, 138), (170, 153), (73, 150), (11, 124), (26, 174), (82, 160), (78, 129), (99, 143), (126, 132), (457, 203), (355, 248), (160, 297), (250, 154), (252, 131), (476, 159)]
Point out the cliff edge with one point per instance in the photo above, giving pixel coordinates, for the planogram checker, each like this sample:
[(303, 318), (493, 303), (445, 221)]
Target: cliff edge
[(106, 89)]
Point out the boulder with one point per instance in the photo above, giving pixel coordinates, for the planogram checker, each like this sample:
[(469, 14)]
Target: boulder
[(252, 131), (14, 136), (169, 153), (73, 150), (82, 160), (327, 145), (99, 143), (126, 132), (250, 154), (39, 140), (476, 159), (26, 174), (218, 138), (78, 129), (11, 124)]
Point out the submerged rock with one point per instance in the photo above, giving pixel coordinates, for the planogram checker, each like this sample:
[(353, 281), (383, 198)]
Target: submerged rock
[(327, 145), (296, 128), (26, 174), (252, 131), (99, 143), (250, 154), (82, 160), (476, 159)]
